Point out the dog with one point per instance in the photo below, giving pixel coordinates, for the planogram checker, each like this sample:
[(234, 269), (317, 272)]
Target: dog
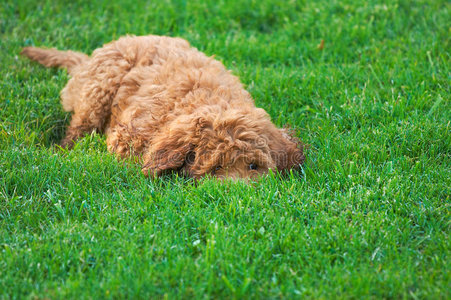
[(176, 109)]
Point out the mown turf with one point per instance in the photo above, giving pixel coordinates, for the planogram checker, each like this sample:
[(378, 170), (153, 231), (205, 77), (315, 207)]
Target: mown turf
[(369, 216)]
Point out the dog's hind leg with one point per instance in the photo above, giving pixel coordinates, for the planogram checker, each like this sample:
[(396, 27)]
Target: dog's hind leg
[(89, 94)]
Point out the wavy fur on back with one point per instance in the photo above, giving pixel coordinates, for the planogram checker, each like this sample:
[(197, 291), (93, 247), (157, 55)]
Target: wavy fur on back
[(164, 101)]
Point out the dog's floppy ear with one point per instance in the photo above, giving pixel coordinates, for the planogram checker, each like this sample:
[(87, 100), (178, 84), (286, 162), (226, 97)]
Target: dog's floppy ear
[(173, 148), (168, 157), (289, 151)]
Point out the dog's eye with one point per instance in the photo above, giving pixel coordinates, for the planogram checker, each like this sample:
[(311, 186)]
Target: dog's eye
[(217, 168), (253, 166)]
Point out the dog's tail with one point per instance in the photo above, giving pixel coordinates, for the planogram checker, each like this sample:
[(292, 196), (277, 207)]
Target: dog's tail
[(55, 58)]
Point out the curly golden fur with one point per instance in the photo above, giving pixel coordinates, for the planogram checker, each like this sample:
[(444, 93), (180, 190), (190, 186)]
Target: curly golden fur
[(164, 101)]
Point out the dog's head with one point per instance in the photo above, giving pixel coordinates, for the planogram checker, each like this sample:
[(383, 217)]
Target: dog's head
[(224, 143)]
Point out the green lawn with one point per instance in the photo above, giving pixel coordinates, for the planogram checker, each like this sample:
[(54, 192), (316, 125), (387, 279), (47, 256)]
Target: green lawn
[(369, 216)]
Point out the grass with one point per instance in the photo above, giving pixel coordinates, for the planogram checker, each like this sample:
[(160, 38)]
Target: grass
[(369, 216)]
